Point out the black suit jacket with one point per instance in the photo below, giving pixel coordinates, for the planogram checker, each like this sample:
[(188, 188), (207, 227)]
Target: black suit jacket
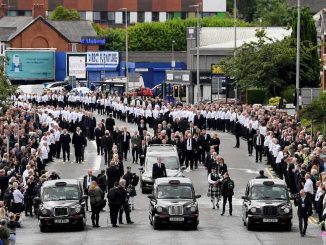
[(113, 175), (261, 140), (142, 152), (250, 134), (193, 144), (304, 208), (93, 178), (158, 172)]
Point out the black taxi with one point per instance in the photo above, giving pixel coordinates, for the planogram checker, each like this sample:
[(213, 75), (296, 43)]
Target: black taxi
[(173, 202), (267, 203), (61, 203)]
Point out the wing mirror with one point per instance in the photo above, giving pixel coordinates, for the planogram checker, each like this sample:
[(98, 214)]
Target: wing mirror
[(197, 196), (151, 197), (245, 198)]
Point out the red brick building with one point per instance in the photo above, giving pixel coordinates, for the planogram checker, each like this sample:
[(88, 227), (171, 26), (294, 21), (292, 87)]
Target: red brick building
[(29, 32), (109, 11)]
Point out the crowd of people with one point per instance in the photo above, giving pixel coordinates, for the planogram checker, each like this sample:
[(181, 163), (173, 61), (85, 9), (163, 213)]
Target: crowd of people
[(37, 128)]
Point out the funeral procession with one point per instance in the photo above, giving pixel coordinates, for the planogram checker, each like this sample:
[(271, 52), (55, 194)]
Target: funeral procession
[(186, 122)]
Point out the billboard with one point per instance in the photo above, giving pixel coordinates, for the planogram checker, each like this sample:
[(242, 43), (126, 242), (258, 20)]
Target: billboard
[(30, 65), (102, 59), (76, 65), (214, 5)]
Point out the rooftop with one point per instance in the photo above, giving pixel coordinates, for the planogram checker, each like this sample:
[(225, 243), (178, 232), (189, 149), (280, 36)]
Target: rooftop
[(10, 27), (314, 5), (166, 180), (223, 37)]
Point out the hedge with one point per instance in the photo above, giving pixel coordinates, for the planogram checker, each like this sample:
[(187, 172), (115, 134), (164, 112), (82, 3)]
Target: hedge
[(158, 36), (256, 96)]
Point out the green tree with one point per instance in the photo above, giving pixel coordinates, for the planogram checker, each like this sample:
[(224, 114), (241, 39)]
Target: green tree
[(316, 112), (310, 65), (247, 9), (263, 64), (273, 12), (6, 89), (62, 13)]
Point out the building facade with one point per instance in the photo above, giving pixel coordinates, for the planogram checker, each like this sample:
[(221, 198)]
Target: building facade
[(108, 12)]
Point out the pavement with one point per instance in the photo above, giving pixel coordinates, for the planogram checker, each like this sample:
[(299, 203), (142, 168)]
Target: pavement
[(213, 228)]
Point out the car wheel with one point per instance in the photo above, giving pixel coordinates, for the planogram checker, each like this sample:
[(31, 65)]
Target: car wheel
[(143, 191), (155, 224), (249, 225), (194, 227), (288, 227), (42, 228)]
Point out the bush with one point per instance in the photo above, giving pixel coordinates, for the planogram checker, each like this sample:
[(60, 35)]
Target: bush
[(158, 36), (288, 93), (275, 101), (256, 96)]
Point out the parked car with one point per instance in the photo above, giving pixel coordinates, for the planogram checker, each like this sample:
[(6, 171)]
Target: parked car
[(170, 158), (61, 203), (173, 202), (267, 203)]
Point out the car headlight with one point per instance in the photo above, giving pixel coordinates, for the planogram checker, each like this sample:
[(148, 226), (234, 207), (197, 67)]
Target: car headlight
[(286, 210), (147, 178), (44, 211), (193, 209), (159, 209), (78, 209), (253, 210)]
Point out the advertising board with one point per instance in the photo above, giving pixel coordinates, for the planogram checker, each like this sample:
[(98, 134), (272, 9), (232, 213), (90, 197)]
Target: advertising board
[(76, 65), (30, 64)]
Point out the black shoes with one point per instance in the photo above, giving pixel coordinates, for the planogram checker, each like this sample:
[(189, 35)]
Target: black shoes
[(222, 213), (130, 222)]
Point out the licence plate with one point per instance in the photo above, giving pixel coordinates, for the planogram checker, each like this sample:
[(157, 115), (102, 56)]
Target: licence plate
[(177, 219), (61, 221), (270, 220)]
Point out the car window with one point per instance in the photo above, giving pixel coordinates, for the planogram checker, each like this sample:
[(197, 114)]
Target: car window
[(262, 192), (170, 162), (174, 192), (58, 193)]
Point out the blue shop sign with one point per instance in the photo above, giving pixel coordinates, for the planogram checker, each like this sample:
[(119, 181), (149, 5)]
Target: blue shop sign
[(93, 40)]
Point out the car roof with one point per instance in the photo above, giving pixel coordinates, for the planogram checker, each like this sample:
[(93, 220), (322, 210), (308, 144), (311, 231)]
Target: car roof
[(261, 181), (166, 180), (161, 147), (51, 183)]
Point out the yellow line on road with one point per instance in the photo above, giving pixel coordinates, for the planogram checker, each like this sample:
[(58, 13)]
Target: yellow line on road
[(269, 173)]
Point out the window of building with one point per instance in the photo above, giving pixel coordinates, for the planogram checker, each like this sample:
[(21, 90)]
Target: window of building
[(96, 17), (104, 17), (111, 17), (155, 16), (141, 17), (2, 49), (208, 14), (12, 13), (82, 15), (124, 17), (169, 15), (74, 47), (184, 15)]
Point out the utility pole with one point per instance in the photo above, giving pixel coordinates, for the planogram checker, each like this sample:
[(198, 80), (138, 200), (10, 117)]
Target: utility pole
[(297, 74)]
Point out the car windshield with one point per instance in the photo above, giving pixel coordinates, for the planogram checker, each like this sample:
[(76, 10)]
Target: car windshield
[(264, 192), (59, 193), (170, 162), (174, 192)]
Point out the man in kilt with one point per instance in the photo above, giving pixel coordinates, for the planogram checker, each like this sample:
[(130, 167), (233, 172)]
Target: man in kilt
[(214, 191)]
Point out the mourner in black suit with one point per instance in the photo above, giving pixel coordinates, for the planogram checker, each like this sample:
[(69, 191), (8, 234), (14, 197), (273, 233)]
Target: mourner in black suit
[(107, 144), (86, 182), (142, 152), (250, 139), (237, 132), (65, 144), (304, 204), (158, 170), (109, 123), (112, 174), (259, 143), (125, 142), (190, 147), (99, 133), (79, 141), (114, 197)]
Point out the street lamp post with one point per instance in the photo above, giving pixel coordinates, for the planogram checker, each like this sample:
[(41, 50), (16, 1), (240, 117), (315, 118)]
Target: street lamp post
[(297, 74), (126, 28), (235, 44), (173, 61), (197, 6)]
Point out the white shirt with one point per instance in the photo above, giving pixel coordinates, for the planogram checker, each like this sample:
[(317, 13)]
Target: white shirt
[(18, 196), (309, 187), (189, 144)]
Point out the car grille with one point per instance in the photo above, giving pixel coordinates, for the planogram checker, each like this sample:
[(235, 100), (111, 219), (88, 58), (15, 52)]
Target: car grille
[(270, 210), (60, 212), (175, 210)]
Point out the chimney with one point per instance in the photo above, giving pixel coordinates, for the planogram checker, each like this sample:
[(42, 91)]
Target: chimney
[(38, 10), (3, 10)]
